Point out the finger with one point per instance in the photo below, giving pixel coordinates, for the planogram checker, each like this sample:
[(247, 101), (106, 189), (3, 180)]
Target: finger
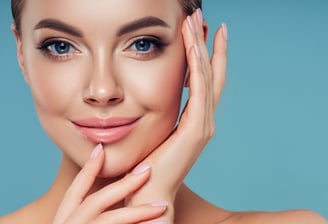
[(199, 80), (197, 91), (205, 88), (132, 214), (216, 70), (102, 200), (188, 33), (81, 184), (207, 128), (193, 31), (219, 61), (200, 27)]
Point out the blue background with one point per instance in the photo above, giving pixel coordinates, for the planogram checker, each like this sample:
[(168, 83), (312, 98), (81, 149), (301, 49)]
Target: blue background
[(270, 148)]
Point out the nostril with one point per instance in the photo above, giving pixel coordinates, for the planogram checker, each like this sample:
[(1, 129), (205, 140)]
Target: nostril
[(114, 100), (91, 101), (102, 102)]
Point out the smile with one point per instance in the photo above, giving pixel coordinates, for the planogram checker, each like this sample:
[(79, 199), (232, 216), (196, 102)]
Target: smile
[(105, 130)]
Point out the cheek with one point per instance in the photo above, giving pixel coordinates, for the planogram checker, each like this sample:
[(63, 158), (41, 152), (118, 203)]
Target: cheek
[(157, 84), (53, 86)]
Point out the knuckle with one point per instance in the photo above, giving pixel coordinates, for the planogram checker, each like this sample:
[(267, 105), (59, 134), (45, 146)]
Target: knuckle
[(208, 134), (212, 131)]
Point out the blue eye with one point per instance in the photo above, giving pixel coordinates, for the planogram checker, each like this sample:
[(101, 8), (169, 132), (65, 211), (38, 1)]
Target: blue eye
[(60, 47), (143, 45), (146, 48), (57, 49)]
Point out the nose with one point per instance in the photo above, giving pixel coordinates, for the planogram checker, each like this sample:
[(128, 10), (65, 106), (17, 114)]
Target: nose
[(103, 88)]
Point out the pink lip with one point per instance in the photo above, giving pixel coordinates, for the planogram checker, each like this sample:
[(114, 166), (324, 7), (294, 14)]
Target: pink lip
[(105, 130)]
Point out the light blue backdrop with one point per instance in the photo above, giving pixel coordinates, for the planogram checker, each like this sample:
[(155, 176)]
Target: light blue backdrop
[(271, 146)]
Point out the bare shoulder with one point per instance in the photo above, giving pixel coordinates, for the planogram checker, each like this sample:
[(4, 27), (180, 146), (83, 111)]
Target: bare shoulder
[(284, 217), (23, 215), (7, 219), (13, 218)]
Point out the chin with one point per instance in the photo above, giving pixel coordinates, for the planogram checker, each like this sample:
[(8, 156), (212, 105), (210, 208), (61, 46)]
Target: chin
[(119, 161)]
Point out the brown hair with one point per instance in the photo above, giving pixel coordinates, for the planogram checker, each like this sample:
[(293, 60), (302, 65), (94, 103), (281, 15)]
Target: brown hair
[(189, 6), (16, 10), (17, 6)]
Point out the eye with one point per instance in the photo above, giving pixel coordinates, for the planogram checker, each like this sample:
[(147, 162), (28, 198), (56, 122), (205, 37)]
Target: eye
[(146, 48), (60, 47), (57, 48), (143, 45)]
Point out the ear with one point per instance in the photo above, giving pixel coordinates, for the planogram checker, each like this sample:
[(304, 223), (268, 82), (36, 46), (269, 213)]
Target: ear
[(205, 30), (20, 56)]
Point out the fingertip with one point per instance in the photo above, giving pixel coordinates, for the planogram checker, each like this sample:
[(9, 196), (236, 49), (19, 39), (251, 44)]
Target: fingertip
[(224, 31), (95, 162), (141, 169), (220, 40), (96, 151), (185, 26)]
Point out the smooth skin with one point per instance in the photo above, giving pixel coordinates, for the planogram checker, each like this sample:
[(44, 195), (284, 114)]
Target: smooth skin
[(153, 191)]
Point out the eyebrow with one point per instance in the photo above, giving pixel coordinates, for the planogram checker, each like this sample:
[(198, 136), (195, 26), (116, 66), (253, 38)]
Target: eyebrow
[(59, 26), (141, 23), (127, 28)]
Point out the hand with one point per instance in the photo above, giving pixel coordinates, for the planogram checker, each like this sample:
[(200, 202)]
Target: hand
[(78, 207), (172, 160)]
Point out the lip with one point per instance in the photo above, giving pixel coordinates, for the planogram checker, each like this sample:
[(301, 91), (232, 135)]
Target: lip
[(105, 130)]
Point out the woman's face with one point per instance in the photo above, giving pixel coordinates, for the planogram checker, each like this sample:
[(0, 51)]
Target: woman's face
[(104, 71)]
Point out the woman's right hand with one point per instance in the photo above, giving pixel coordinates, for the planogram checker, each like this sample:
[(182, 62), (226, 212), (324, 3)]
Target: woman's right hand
[(79, 207)]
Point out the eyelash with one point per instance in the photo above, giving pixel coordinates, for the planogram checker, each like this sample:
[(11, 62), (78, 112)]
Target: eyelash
[(48, 48), (156, 46)]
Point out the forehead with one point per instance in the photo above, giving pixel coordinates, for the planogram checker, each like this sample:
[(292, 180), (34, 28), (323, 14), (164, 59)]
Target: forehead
[(90, 13)]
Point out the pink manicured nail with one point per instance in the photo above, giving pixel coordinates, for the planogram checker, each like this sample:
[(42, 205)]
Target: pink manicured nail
[(140, 169), (191, 24), (225, 30), (197, 51), (159, 203), (154, 222), (96, 151), (200, 16)]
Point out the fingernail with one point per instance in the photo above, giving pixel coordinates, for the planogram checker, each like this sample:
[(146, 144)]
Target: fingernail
[(225, 30), (140, 169), (191, 24), (154, 222), (159, 203), (96, 151), (197, 51), (199, 16)]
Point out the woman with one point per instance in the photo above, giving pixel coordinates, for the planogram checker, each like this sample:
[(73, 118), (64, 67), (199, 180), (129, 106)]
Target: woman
[(109, 77)]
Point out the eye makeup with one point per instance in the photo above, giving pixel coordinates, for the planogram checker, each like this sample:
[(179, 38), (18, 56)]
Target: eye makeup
[(57, 49), (146, 47)]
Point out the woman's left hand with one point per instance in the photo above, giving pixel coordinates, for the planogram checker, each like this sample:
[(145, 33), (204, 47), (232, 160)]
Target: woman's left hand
[(173, 159)]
